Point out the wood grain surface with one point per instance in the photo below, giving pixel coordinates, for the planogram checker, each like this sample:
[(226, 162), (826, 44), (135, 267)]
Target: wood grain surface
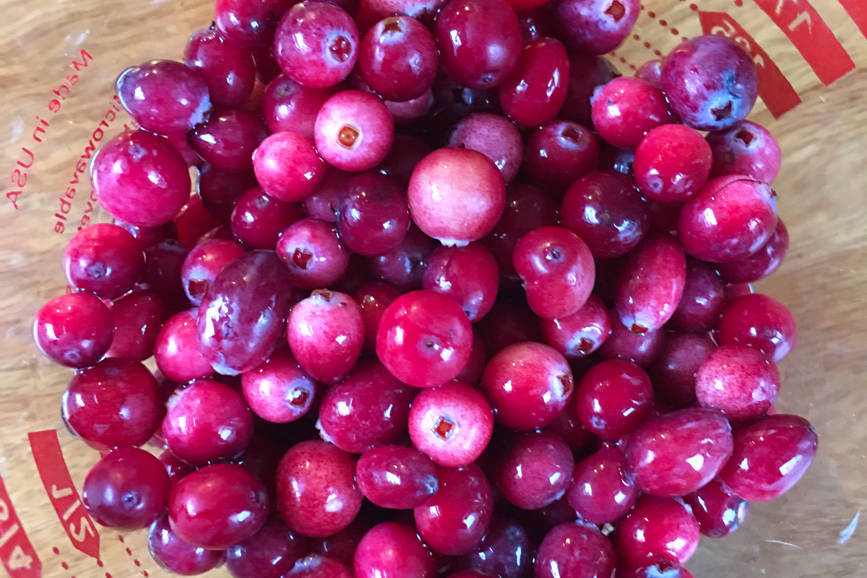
[(810, 533)]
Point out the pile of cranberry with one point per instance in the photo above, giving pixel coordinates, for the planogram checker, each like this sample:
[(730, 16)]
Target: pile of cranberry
[(450, 299)]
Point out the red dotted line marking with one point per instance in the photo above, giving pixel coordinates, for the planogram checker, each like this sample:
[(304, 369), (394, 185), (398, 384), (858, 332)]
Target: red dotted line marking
[(56, 551), (135, 560)]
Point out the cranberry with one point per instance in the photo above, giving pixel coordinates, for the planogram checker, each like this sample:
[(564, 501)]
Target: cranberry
[(406, 152), (176, 350), (703, 298), (74, 330), (560, 152), (454, 520), (342, 545), (596, 26), (127, 489), (602, 489), (405, 266), (140, 178), (575, 550), (271, 552), (761, 263), (218, 506), (406, 111), (536, 89), (586, 72), (607, 212), (396, 477), (313, 253), (353, 131), (452, 424), (241, 317), (220, 190), (373, 298), (248, 22), (258, 219), (138, 317), (710, 82), (718, 512), (528, 385), (203, 263), (315, 566), (373, 217), (557, 270), (163, 263), (227, 68), (279, 390), (175, 467), (729, 219), (657, 527), (661, 568), (738, 380), (326, 333), (479, 41), (746, 148), (510, 321), (194, 221), (580, 334), (316, 491), (625, 109), (678, 452), (536, 471), (618, 160), (325, 202), (613, 398), (759, 321), (472, 371), (164, 96), (673, 373), (453, 101), (642, 349), (227, 139), (393, 549), (289, 106), (176, 555), (651, 72), (103, 259), (468, 275), (368, 408), (504, 551), (493, 136), (423, 10), (149, 236), (397, 58), (771, 455), (651, 284), (672, 163), (287, 166)]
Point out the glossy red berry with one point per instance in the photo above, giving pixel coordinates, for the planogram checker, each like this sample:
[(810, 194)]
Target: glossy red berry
[(702, 300), (613, 398), (560, 152), (103, 259), (177, 556), (74, 330), (227, 140), (138, 317), (657, 527), (739, 380), (279, 391), (602, 489), (535, 471), (759, 321), (176, 350), (718, 511), (353, 131), (469, 275), (272, 551), (393, 549), (495, 137), (536, 89), (580, 334), (575, 549), (396, 477), (289, 106), (625, 109), (288, 167), (226, 67), (673, 373), (761, 263), (372, 215), (746, 148), (672, 163), (398, 58)]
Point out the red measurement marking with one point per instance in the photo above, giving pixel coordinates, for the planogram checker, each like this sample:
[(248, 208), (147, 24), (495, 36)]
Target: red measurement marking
[(811, 36), (857, 11), (16, 552), (774, 87), (62, 493)]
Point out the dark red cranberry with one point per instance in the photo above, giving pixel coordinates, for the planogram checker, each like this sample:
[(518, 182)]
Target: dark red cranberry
[(373, 217), (248, 22), (625, 109), (368, 408), (479, 41), (407, 111), (74, 330), (536, 89), (175, 467), (176, 350), (163, 264), (535, 471), (557, 271), (218, 506), (718, 511), (613, 398), (454, 520), (194, 221), (678, 452), (580, 334), (657, 527), (770, 456), (258, 219), (472, 371), (761, 263), (316, 491), (373, 298), (510, 321), (220, 190), (325, 202), (279, 391), (468, 275), (140, 178), (206, 421), (661, 568), (103, 259), (575, 549), (617, 160), (149, 236), (560, 152), (495, 137), (313, 253), (672, 163), (164, 96), (405, 266), (316, 566), (176, 555), (271, 552), (341, 546), (607, 212), (528, 385), (586, 72), (396, 477), (746, 148), (138, 317), (602, 489), (504, 551), (596, 26), (738, 380), (287, 165), (710, 82), (398, 58), (702, 300), (353, 131), (393, 549), (759, 321), (642, 349), (406, 152), (673, 373), (227, 68), (289, 106), (569, 427), (227, 139), (453, 101)]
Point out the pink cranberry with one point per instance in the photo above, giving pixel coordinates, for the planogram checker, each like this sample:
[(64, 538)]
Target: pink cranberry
[(405, 266), (368, 408), (454, 520), (528, 385), (575, 550), (625, 109), (613, 398), (657, 527), (140, 178), (672, 163), (586, 72), (226, 67), (288, 167), (207, 420), (746, 148), (673, 373), (176, 350), (279, 391), (738, 380), (495, 137), (372, 216), (313, 253), (771, 454), (316, 566), (560, 152), (456, 195), (468, 275), (218, 506), (353, 131), (536, 89), (607, 212), (74, 330), (580, 334), (452, 424), (702, 300), (396, 477), (289, 106), (203, 263), (326, 333), (164, 96), (103, 259), (424, 339), (718, 512), (393, 549), (176, 555), (398, 58), (127, 489), (220, 190), (272, 551), (602, 489), (678, 452), (504, 551), (759, 321), (479, 41), (138, 317), (227, 139), (761, 263), (557, 271), (596, 26), (175, 467), (316, 491), (536, 471)]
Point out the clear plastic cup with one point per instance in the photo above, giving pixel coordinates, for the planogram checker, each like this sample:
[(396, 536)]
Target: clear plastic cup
[(61, 60)]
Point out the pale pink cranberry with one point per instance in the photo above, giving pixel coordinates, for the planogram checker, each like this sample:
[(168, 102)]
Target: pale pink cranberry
[(313, 253), (279, 391), (176, 555), (138, 317), (316, 491), (176, 350), (580, 334), (393, 549), (657, 527), (673, 373), (596, 26), (718, 511), (289, 106), (272, 551), (642, 349), (738, 380), (353, 131), (613, 398), (456, 195), (746, 148), (702, 300), (288, 167), (759, 321), (258, 219), (761, 263), (560, 152), (103, 259), (575, 549), (495, 137), (602, 489), (625, 109), (74, 330), (536, 471), (469, 275), (536, 89)]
